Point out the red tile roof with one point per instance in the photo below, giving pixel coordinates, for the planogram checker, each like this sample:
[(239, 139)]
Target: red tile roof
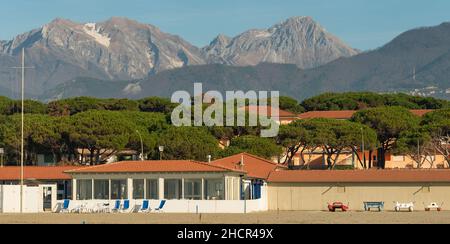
[(347, 114), (153, 166), (421, 112), (267, 111), (361, 176), (36, 173), (254, 166), (344, 114)]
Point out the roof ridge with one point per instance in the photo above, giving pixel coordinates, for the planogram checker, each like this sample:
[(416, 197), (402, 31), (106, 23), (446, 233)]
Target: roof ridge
[(253, 156), (93, 166), (149, 161), (217, 166), (263, 159), (120, 162)]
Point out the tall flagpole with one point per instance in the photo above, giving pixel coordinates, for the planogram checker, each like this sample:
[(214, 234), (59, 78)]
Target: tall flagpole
[(22, 134), (22, 127)]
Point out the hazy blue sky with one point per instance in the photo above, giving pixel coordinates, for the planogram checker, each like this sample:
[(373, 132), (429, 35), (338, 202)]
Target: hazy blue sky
[(364, 24)]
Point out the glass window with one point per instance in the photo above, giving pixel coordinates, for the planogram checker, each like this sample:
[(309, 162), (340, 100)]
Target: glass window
[(84, 189), (68, 193), (193, 189), (138, 189), (214, 189), (119, 189), (101, 189), (152, 189), (172, 189)]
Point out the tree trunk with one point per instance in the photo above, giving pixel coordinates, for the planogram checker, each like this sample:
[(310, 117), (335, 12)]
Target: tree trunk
[(91, 156), (362, 163), (382, 158)]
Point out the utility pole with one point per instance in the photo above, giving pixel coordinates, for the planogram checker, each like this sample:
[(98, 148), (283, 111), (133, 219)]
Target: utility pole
[(363, 150), (161, 150), (419, 157), (22, 68), (22, 134), (2, 152), (142, 145)]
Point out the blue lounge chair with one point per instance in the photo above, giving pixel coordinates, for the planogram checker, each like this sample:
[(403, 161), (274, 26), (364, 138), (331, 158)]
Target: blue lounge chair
[(65, 206), (126, 206), (145, 207), (161, 206), (116, 206)]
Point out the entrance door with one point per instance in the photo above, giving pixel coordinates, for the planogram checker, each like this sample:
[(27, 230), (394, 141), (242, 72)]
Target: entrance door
[(47, 198)]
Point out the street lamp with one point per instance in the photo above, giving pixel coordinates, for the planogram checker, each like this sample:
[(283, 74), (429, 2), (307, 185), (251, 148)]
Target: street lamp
[(161, 150), (363, 146), (142, 145), (2, 152)]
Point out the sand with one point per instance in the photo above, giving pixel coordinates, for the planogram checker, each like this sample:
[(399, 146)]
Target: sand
[(253, 218)]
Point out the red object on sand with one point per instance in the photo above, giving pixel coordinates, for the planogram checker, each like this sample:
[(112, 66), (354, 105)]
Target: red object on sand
[(337, 205)]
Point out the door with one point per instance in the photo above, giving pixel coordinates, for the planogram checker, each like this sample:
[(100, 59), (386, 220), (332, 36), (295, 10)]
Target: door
[(47, 198)]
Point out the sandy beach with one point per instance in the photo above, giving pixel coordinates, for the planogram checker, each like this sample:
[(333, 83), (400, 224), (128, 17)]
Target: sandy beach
[(253, 218)]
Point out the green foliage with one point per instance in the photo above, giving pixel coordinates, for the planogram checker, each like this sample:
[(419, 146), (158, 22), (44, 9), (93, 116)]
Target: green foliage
[(72, 106), (97, 130), (291, 105), (115, 124), (10, 107), (156, 104), (255, 145), (363, 100), (5, 104), (410, 142), (437, 122), (333, 136), (337, 134), (193, 143), (388, 122), (41, 133)]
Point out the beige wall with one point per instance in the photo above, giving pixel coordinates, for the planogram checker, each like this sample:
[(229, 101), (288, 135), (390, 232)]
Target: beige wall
[(298, 196), (407, 162)]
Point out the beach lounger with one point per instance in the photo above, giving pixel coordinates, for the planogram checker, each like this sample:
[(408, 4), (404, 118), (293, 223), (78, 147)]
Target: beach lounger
[(145, 207), (125, 207), (161, 206), (116, 206), (65, 206)]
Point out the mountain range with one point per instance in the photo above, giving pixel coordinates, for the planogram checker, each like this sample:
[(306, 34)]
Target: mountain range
[(123, 49), (298, 57)]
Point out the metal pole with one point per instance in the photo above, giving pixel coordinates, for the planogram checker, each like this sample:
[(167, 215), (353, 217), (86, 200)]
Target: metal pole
[(22, 134), (142, 145), (419, 158), (363, 147)]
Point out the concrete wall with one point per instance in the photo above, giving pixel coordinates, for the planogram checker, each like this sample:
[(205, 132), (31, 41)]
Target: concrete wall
[(185, 206), (299, 196), (32, 198), (401, 162)]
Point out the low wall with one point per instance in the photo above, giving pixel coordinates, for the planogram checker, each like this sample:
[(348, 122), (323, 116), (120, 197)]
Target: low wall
[(315, 197), (183, 206)]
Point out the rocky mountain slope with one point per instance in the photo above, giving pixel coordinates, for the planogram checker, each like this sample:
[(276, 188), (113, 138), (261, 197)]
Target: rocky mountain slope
[(298, 40), (415, 62), (123, 49)]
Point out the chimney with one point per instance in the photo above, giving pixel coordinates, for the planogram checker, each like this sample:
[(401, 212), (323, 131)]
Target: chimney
[(241, 163)]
